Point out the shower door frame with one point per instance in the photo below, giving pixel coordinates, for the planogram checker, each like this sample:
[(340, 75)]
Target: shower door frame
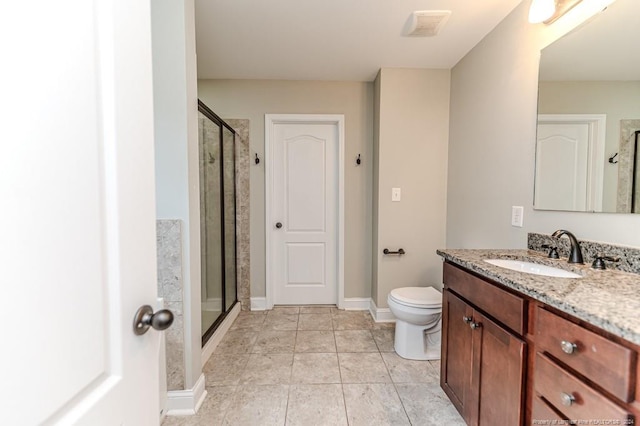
[(207, 112)]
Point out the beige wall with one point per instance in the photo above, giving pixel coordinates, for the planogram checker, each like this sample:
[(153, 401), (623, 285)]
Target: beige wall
[(411, 145), (492, 142), (617, 99), (251, 99)]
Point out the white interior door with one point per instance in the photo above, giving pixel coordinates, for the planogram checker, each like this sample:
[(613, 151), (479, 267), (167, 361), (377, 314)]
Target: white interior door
[(569, 162), (78, 212), (304, 218)]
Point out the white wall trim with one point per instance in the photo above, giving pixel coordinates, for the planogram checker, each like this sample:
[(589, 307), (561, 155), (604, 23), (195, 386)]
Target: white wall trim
[(356, 303), (186, 402), (380, 314), (220, 332), (259, 304), (269, 122)]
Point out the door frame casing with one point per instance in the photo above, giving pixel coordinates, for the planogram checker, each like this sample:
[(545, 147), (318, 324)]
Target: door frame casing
[(270, 120)]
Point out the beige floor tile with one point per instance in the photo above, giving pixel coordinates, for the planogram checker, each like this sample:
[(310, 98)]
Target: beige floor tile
[(258, 405), (409, 371), (275, 341), (284, 310), (316, 405), (384, 325), (315, 368), (427, 405), (225, 369), (362, 368), (237, 342), (249, 322), (350, 320), (315, 341), (315, 310), (384, 339), (373, 404), (355, 341), (267, 369), (281, 322), (315, 322), (212, 411)]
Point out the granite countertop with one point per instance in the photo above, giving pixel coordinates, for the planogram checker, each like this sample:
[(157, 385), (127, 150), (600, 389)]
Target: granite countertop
[(607, 299)]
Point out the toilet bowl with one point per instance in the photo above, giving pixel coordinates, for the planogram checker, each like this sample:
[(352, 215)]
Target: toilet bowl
[(418, 312)]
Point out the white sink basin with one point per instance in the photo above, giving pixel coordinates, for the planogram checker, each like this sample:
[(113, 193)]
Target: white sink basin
[(532, 268)]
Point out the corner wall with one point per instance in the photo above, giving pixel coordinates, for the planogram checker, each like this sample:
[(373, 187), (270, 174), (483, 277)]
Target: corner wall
[(492, 144), (411, 137), (176, 154)]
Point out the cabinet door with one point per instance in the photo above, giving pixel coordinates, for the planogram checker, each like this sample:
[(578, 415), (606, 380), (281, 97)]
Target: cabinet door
[(455, 377), (497, 374)]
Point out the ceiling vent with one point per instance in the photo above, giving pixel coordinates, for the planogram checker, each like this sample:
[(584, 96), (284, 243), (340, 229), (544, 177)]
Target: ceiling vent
[(428, 23)]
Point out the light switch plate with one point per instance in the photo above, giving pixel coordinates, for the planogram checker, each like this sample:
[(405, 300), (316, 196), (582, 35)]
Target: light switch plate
[(517, 216), (396, 194)]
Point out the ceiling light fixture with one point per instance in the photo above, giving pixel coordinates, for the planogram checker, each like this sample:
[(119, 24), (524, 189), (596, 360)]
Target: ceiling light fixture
[(541, 10), (548, 11)]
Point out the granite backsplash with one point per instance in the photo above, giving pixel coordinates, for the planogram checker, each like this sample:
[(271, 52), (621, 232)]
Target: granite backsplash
[(629, 256)]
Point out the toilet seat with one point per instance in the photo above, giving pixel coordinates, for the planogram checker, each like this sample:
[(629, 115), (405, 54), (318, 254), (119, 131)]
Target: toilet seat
[(417, 297)]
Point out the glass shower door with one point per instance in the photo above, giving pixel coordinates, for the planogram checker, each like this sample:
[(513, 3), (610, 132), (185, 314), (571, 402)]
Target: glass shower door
[(210, 221)]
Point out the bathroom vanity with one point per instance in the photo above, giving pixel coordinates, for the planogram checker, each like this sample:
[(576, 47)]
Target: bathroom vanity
[(521, 349)]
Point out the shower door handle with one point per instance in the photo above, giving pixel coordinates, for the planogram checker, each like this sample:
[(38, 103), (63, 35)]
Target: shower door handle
[(278, 225)]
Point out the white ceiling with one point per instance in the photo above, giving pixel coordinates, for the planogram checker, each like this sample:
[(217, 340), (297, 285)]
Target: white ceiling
[(333, 39), (604, 48)]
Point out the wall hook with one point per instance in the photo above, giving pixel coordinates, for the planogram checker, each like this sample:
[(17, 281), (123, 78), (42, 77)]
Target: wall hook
[(358, 161), (257, 160), (612, 157)]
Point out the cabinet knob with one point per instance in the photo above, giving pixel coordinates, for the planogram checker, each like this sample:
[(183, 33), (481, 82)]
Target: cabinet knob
[(567, 399), (568, 347), (475, 325), (467, 319)]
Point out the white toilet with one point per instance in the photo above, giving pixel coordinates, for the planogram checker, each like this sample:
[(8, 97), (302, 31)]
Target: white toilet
[(418, 312)]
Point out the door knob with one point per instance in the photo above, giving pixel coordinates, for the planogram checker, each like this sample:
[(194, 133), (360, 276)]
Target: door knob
[(278, 225), (145, 318)]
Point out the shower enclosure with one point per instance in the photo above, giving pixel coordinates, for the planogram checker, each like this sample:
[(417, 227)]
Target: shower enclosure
[(217, 218)]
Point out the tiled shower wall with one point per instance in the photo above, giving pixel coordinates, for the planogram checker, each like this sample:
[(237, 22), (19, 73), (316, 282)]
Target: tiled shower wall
[(243, 162), (625, 165), (170, 286)]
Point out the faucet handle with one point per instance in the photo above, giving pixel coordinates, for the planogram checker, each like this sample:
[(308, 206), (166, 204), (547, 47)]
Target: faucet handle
[(553, 251), (598, 262)]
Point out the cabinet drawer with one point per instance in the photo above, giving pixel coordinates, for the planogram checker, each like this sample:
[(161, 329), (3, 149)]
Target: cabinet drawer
[(541, 413), (503, 306), (602, 361), (557, 385)]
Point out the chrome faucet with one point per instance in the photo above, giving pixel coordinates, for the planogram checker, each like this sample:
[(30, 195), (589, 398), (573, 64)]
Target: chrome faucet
[(575, 255)]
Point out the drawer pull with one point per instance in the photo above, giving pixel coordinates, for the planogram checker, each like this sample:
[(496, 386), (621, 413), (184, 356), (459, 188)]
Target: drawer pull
[(568, 347), (475, 325), (567, 399), (467, 319)]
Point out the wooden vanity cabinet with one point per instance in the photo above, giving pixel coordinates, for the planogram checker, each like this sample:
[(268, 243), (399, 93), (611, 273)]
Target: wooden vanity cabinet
[(483, 363), (511, 360)]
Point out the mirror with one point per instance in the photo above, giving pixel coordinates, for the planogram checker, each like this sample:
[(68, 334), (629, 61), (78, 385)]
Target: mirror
[(589, 116)]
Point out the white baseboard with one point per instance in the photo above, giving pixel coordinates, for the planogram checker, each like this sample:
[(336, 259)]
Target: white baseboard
[(356, 303), (258, 303), (186, 402), (217, 336), (380, 314)]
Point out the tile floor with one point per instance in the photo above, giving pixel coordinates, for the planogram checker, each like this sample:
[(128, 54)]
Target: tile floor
[(317, 366)]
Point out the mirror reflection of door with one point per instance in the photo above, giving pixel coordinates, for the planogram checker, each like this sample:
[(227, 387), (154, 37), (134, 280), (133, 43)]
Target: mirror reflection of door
[(569, 162)]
